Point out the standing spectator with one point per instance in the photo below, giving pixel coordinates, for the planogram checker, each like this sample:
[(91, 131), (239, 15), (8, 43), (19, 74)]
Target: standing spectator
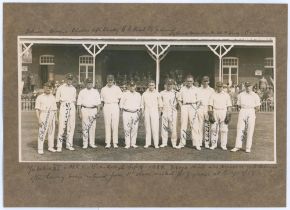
[(196, 83), (28, 83), (226, 88), (32, 81)]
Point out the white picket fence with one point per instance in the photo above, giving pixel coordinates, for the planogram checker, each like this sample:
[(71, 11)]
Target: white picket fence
[(266, 105), (28, 104)]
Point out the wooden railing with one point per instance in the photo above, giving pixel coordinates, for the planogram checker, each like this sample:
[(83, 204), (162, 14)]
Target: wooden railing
[(28, 104), (266, 106)]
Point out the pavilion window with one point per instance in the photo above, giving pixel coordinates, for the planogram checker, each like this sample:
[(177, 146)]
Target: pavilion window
[(230, 70), (269, 67), (86, 67), (46, 60)]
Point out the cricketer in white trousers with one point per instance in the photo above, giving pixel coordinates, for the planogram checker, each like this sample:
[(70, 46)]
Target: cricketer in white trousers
[(131, 122), (89, 116), (47, 128), (169, 116), (151, 103), (189, 97), (111, 116), (67, 116), (169, 122), (219, 127), (88, 100), (66, 95), (131, 104), (205, 126), (246, 119), (189, 114), (46, 104), (110, 97), (220, 103), (204, 123)]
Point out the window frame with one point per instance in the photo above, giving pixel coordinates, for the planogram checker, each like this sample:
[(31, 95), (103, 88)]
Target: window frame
[(229, 66), (87, 62), (46, 58), (270, 59)]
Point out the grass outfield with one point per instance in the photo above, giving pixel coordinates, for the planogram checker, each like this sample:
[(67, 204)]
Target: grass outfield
[(262, 148)]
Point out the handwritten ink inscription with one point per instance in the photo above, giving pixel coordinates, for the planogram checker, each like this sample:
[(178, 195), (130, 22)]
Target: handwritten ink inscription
[(192, 122), (108, 173), (130, 128), (67, 126), (122, 29), (245, 130), (86, 127), (44, 125)]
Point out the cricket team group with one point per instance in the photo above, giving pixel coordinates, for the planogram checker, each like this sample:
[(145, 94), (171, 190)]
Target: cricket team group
[(205, 114)]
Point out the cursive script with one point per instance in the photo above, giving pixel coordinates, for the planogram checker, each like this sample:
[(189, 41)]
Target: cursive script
[(130, 128), (245, 130), (87, 126), (67, 116), (44, 125), (195, 108), (168, 115), (107, 173)]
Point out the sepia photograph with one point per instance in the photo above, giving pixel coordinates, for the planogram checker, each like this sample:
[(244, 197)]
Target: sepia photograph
[(146, 99), (144, 105)]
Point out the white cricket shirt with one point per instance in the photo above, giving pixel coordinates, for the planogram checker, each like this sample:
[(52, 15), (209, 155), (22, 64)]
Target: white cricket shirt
[(45, 102), (89, 97), (205, 94), (66, 93), (189, 95), (130, 101), (151, 99), (220, 100), (169, 99), (110, 95), (248, 100)]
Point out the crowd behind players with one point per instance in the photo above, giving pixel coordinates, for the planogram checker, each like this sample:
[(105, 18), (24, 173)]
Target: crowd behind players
[(263, 87), (205, 114)]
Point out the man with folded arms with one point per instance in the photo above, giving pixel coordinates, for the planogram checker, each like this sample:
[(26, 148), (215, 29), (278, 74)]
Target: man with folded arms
[(88, 104), (130, 104), (248, 103)]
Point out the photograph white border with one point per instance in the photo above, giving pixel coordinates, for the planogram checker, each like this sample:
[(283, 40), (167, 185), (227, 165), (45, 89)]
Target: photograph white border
[(143, 40)]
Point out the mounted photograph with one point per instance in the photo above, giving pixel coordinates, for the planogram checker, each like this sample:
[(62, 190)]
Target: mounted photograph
[(147, 99)]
